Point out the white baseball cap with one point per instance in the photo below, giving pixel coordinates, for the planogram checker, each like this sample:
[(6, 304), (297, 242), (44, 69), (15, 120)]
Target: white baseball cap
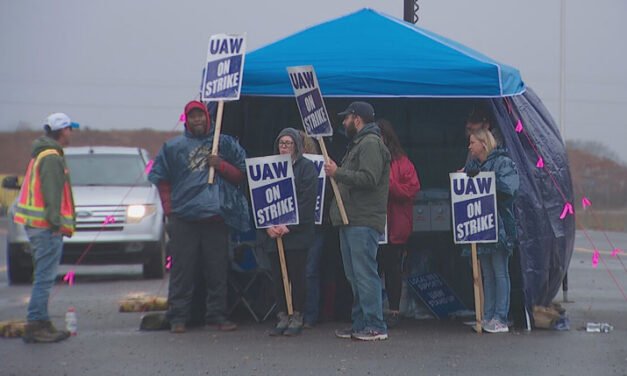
[(59, 121)]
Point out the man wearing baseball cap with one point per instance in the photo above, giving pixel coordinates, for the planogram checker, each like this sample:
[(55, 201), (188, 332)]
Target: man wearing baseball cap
[(363, 182), (46, 209)]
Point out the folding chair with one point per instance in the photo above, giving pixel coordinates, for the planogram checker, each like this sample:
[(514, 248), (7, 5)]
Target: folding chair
[(251, 283)]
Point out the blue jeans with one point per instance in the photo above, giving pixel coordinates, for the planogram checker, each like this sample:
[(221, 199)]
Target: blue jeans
[(312, 275), (359, 254), (496, 285), (46, 250)]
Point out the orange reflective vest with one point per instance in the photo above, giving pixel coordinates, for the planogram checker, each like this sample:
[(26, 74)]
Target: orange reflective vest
[(30, 209)]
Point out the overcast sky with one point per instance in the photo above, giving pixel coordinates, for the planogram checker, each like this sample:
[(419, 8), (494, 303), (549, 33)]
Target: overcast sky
[(134, 63)]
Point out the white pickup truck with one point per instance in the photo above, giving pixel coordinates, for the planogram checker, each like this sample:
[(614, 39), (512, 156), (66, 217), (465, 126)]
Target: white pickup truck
[(119, 218)]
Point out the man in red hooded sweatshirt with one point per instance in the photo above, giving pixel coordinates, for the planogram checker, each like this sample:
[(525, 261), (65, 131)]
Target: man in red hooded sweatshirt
[(200, 214)]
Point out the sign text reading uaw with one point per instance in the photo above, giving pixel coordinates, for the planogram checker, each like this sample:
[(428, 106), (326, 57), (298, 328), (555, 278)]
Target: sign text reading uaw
[(318, 161), (310, 104), (473, 202), (223, 72), (272, 191)]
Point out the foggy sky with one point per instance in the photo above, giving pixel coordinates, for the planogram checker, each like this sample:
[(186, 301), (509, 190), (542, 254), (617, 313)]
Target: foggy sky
[(135, 63)]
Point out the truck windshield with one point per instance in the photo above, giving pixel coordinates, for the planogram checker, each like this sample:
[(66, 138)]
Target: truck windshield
[(107, 170)]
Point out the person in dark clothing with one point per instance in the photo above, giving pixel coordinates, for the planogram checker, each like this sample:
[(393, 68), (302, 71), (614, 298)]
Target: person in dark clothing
[(200, 214), (296, 238), (404, 185), (363, 183)]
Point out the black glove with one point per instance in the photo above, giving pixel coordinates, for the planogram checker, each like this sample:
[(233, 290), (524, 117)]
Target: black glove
[(473, 172)]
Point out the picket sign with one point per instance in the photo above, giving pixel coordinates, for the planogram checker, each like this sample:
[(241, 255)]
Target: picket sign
[(314, 116), (318, 161), (474, 215), (222, 79), (274, 202)]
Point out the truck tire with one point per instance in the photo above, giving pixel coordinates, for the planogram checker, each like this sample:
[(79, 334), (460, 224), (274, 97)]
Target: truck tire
[(154, 267), (19, 265)]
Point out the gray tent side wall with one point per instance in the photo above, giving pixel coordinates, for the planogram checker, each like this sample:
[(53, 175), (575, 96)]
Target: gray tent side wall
[(432, 132)]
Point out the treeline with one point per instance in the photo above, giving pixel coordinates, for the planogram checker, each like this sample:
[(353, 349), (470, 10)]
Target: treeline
[(597, 172)]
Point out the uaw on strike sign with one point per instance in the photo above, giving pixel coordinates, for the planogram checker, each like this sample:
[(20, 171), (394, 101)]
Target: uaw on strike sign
[(225, 63), (318, 161), (272, 190), (473, 202), (310, 104)]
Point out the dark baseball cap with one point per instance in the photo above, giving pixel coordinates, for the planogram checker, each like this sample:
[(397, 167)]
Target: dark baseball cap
[(362, 109)]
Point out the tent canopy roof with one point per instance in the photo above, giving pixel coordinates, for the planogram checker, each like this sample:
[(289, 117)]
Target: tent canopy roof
[(370, 54)]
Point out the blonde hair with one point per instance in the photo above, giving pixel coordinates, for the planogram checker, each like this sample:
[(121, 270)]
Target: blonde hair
[(309, 144), (485, 137)]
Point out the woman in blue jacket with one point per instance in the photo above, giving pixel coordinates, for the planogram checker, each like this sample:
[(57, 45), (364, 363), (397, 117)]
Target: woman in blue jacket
[(494, 257)]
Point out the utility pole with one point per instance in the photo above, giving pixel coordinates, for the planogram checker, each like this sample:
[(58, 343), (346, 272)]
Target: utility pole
[(562, 81), (410, 11)]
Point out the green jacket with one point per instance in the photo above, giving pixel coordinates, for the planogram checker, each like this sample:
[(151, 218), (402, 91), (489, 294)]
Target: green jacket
[(363, 181), (52, 170)]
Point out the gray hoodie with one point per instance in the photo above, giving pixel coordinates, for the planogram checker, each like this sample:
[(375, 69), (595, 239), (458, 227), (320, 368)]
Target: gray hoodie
[(298, 142)]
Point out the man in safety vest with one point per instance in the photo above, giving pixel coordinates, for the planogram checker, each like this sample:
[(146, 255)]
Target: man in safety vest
[(46, 209)]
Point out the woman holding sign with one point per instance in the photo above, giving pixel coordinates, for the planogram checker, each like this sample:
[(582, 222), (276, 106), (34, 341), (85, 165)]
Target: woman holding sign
[(487, 156), (296, 238)]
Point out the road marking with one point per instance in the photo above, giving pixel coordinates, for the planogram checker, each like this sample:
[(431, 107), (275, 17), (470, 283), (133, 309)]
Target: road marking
[(587, 250)]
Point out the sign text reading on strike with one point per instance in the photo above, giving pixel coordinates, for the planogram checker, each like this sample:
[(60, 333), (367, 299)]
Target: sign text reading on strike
[(477, 223), (316, 116), (479, 217), (225, 79), (279, 201)]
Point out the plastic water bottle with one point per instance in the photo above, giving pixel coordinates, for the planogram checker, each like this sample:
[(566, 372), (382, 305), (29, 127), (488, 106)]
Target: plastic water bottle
[(71, 322)]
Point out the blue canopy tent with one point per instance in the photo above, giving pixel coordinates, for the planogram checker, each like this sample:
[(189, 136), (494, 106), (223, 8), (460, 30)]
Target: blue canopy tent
[(369, 54), (426, 85)]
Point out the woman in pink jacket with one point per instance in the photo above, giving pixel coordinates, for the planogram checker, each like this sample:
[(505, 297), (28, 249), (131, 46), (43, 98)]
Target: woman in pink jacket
[(404, 185)]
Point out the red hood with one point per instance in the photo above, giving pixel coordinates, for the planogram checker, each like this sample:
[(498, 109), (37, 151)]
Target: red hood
[(201, 106)]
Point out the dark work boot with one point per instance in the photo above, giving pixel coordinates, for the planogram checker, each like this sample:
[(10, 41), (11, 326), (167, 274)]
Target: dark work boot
[(281, 326), (52, 329), (42, 332), (295, 326), (154, 321)]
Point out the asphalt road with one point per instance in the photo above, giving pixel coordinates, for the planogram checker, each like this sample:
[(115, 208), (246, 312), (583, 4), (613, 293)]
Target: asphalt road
[(109, 342)]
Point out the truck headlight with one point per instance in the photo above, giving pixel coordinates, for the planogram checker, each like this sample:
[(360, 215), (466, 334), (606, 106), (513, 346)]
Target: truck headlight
[(135, 213)]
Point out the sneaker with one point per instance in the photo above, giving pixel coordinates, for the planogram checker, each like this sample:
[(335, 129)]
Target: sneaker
[(474, 324), (370, 335), (295, 327), (42, 332), (178, 327), (495, 326), (345, 333), (52, 329), (281, 326)]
